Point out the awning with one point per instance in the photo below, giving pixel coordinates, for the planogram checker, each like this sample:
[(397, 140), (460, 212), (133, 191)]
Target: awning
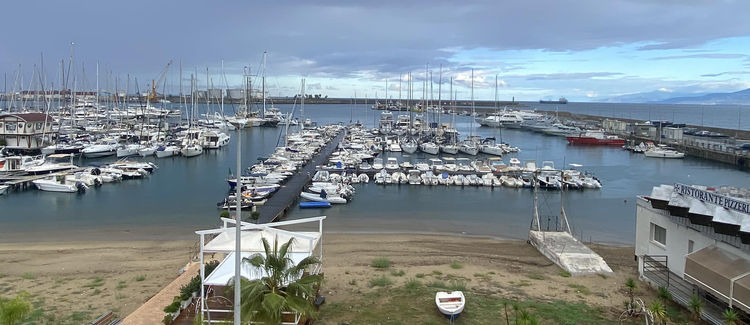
[(720, 273), (251, 240), (225, 271)]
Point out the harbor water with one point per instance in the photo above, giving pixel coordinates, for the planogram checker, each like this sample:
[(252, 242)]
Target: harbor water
[(180, 197)]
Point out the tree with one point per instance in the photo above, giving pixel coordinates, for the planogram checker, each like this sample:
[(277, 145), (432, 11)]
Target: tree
[(696, 306), (283, 288), (660, 313), (15, 310), (731, 317), (631, 285), (505, 306)]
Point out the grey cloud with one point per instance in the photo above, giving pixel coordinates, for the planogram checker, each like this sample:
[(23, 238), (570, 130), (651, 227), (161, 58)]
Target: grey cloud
[(725, 73), (567, 76), (702, 56)]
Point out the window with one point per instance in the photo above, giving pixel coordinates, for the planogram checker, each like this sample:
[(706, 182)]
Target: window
[(39, 125), (658, 234), (690, 246), (10, 126)]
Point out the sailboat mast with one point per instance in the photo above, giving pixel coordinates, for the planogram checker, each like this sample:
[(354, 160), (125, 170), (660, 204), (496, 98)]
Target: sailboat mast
[(263, 87), (440, 93), (472, 103), (302, 105)]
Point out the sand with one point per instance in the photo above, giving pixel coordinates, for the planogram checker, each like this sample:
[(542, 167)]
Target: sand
[(80, 280)]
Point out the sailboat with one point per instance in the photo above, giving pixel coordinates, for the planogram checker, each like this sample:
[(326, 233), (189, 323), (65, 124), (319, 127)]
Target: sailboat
[(469, 146)]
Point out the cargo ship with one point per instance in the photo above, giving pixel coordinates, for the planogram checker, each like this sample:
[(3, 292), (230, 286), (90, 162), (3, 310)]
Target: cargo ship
[(595, 138), (562, 100)]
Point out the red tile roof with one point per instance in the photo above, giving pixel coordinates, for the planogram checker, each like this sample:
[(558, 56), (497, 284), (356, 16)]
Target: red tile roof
[(30, 117)]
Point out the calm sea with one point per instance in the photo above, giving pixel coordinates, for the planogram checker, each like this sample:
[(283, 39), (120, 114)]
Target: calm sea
[(180, 197)]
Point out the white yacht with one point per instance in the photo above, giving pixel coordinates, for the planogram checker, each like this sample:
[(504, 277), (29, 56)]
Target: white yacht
[(51, 163), (167, 151), (128, 150), (662, 151), (469, 148), (490, 147), (104, 149), (409, 146), (450, 149)]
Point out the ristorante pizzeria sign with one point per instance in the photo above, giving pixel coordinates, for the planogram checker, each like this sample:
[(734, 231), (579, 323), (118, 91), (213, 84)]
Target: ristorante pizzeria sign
[(713, 198)]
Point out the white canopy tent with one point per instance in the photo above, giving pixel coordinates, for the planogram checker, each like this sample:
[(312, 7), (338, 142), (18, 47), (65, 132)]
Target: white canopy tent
[(305, 244)]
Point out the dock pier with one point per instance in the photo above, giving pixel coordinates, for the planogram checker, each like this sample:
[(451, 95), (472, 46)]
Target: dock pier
[(280, 202), (22, 182)]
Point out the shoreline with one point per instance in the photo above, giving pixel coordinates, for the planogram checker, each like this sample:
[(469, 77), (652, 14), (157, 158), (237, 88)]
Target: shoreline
[(122, 275), (156, 234)]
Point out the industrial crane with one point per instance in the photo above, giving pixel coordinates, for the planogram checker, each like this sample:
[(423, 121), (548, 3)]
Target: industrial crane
[(157, 84)]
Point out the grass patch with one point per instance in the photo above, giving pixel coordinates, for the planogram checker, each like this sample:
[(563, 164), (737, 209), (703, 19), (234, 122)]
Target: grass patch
[(407, 303), (580, 288), (412, 285), (96, 282), (382, 281), (436, 272), (523, 283), (381, 263), (353, 282), (140, 277), (564, 274), (456, 265), (535, 276), (457, 286), (121, 285), (398, 273), (437, 284), (603, 276), (28, 276), (96, 292), (419, 275)]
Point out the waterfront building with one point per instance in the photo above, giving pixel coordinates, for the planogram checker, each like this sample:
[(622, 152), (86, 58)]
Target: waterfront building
[(695, 240), (25, 131)]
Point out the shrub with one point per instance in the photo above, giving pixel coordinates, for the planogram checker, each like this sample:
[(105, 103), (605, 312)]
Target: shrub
[(255, 215), (173, 307), (398, 273), (381, 263), (412, 285), (382, 281), (456, 265), (224, 214), (564, 274)]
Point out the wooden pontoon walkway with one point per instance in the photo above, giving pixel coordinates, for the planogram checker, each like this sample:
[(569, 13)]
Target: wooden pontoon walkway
[(281, 201)]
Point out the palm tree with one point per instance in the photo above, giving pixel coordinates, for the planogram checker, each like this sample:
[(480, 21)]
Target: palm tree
[(731, 317), (664, 295), (660, 313), (696, 306), (631, 285), (15, 310), (284, 287)]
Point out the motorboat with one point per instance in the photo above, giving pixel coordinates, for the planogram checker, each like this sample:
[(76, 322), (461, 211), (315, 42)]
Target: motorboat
[(52, 184), (450, 304), (50, 164), (62, 148), (662, 151), (100, 150), (167, 151), (323, 197), (3, 189), (391, 164), (128, 150), (595, 138), (414, 177), (147, 151), (377, 164)]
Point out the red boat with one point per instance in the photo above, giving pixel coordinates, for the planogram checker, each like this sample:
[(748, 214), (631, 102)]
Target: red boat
[(596, 138)]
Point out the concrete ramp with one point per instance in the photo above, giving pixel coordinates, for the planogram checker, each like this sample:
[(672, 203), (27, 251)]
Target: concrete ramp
[(568, 253)]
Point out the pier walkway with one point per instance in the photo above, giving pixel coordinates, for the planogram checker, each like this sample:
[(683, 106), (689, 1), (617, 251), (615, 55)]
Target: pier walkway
[(278, 204)]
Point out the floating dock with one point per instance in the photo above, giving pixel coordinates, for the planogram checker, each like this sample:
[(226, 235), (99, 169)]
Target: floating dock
[(281, 201), (568, 253)]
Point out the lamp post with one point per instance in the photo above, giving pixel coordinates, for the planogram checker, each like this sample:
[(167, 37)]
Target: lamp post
[(238, 226)]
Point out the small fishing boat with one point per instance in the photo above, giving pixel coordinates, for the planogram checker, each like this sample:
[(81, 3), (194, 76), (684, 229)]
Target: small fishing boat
[(314, 205), (167, 151), (450, 304), (51, 184)]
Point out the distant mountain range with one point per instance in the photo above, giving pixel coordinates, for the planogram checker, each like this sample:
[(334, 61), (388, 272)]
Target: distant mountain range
[(741, 97)]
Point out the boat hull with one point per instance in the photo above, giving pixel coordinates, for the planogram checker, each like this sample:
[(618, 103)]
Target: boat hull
[(591, 141)]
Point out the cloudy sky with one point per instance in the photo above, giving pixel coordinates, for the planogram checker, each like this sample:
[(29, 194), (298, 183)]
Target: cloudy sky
[(586, 50)]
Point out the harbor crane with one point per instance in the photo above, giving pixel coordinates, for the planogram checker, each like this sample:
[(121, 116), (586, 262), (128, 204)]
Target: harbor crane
[(156, 84)]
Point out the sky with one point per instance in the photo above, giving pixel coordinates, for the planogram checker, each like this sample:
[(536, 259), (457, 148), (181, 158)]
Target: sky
[(585, 50)]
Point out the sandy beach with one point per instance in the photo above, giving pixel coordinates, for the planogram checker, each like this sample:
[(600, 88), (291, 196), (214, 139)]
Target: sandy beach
[(80, 280)]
